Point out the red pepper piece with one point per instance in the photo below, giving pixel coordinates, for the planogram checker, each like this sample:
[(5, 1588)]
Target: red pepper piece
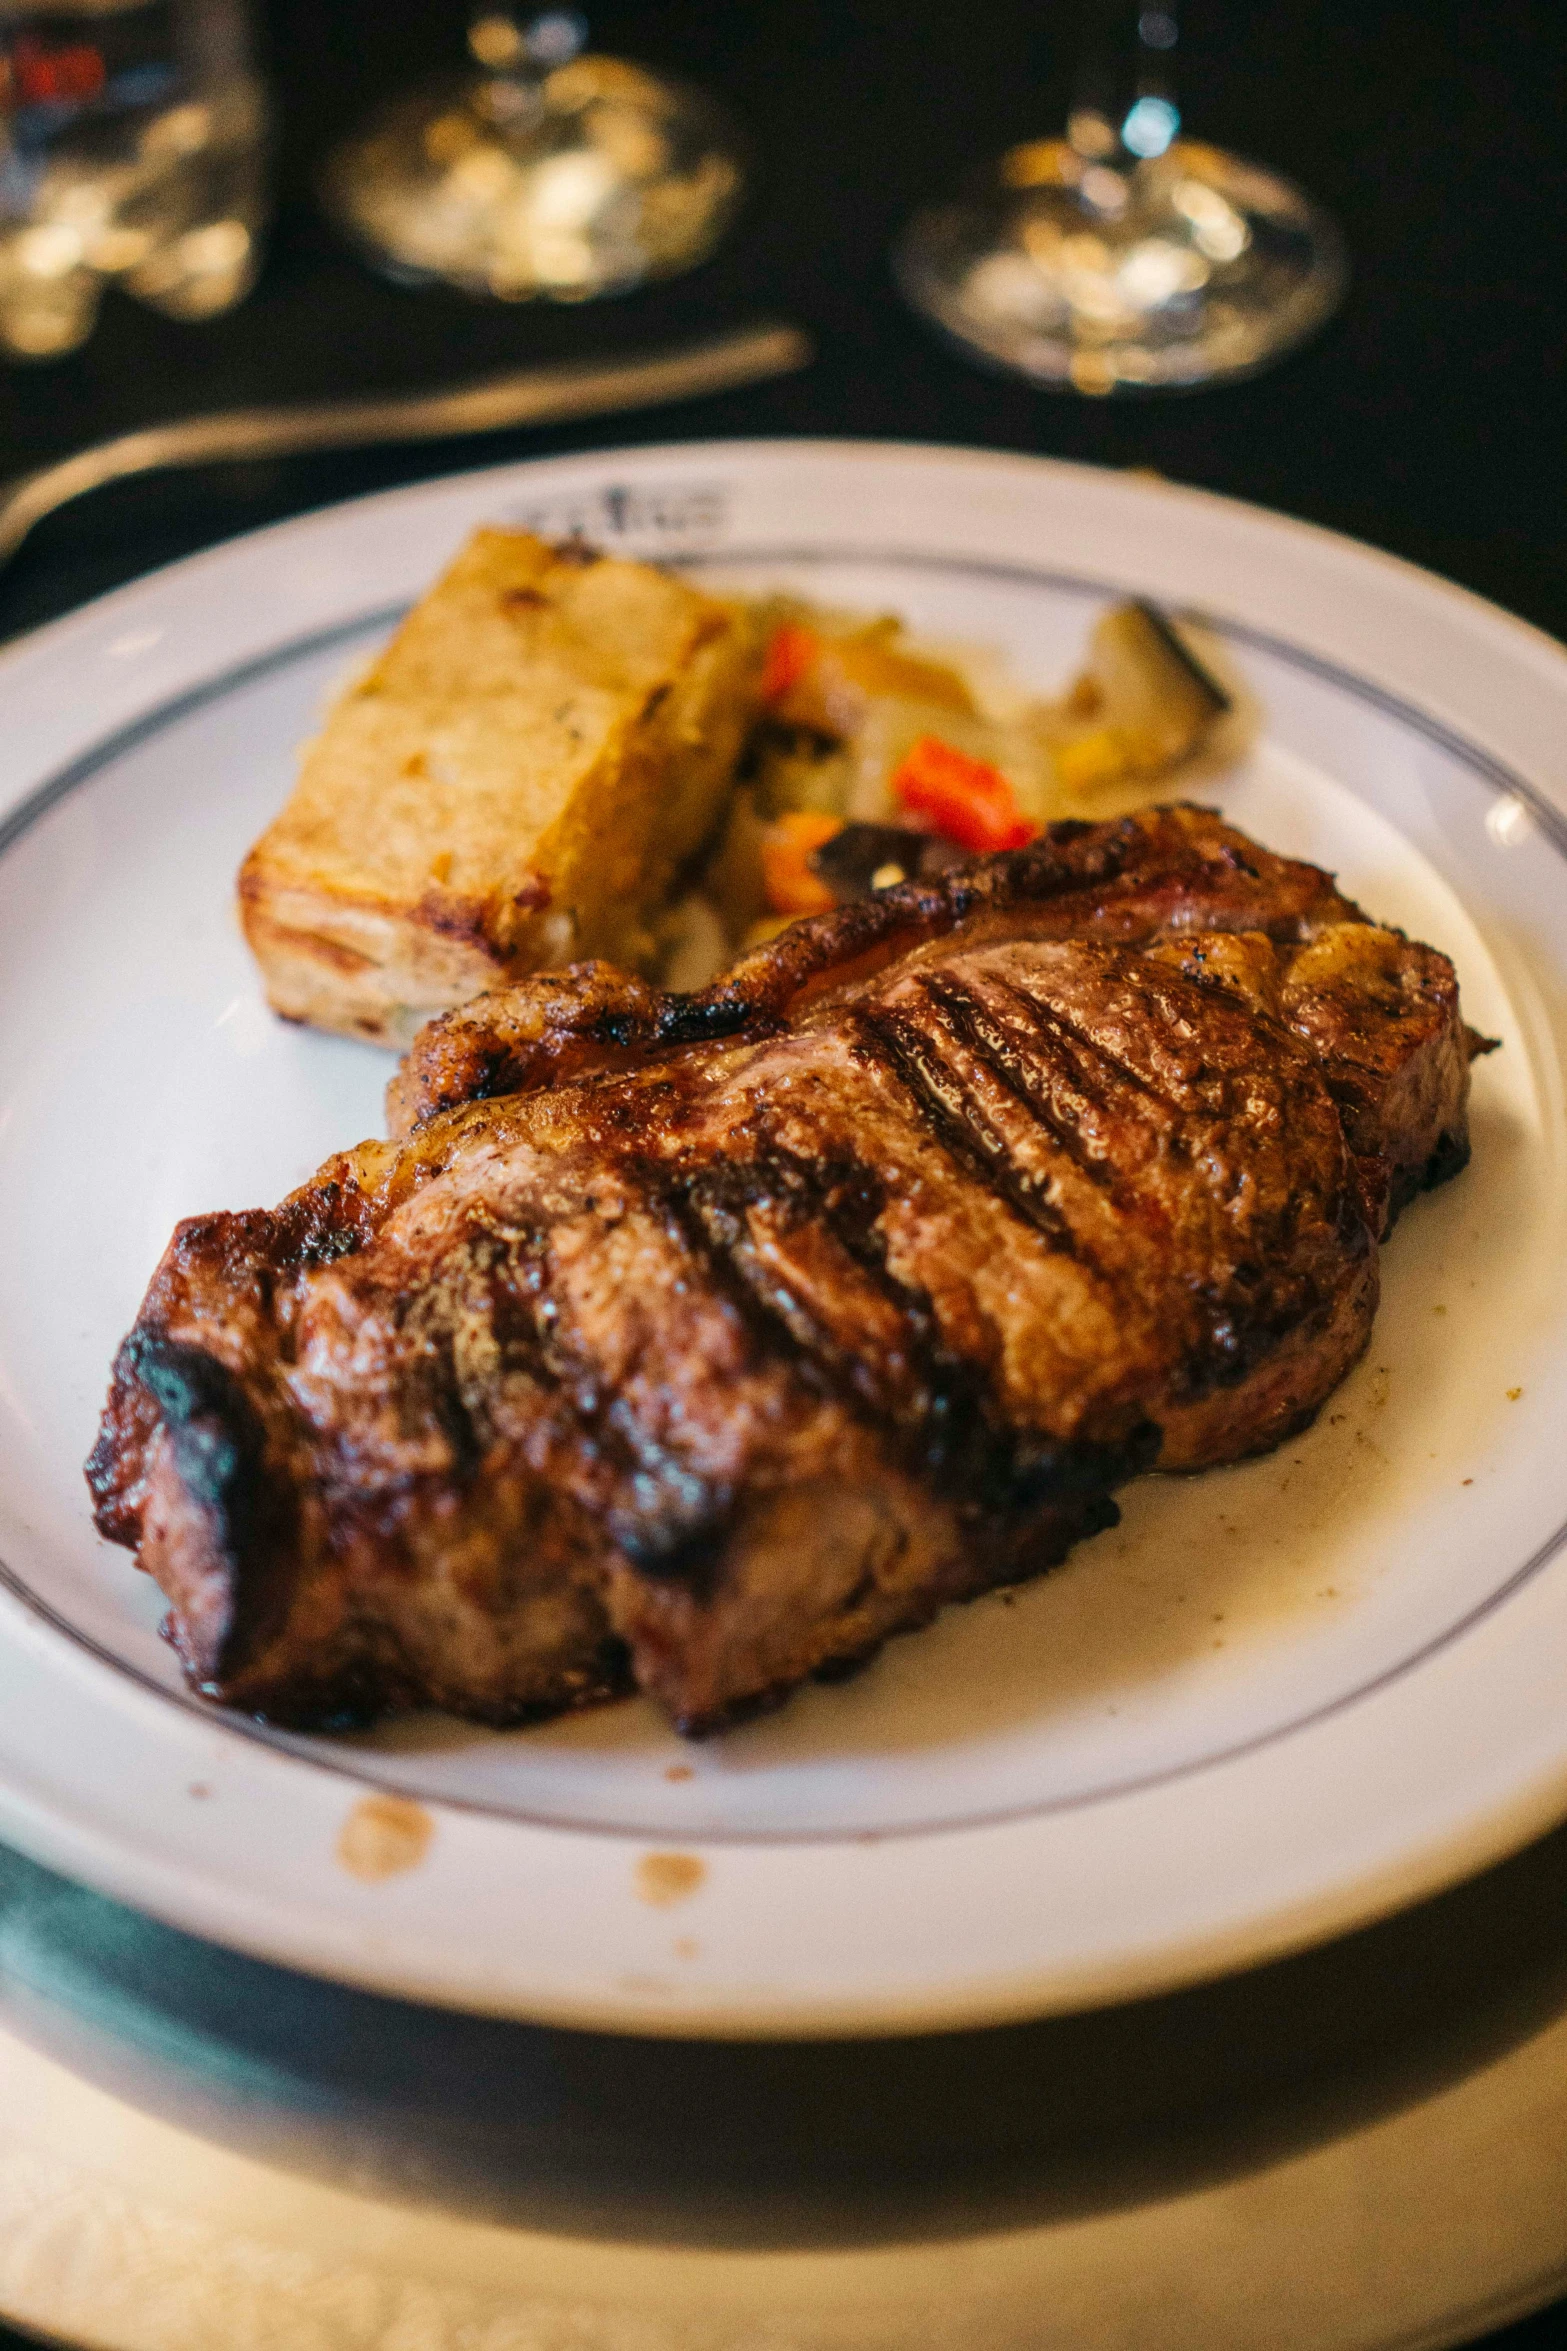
[(791, 654), (966, 800)]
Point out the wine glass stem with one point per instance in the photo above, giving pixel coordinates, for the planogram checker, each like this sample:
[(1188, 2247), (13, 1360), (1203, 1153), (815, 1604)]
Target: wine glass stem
[(1125, 113)]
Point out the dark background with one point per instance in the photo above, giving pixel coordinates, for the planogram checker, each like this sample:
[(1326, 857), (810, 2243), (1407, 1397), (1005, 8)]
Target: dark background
[(1428, 419)]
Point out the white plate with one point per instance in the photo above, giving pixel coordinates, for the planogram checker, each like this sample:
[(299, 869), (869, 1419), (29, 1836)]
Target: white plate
[(1279, 1699)]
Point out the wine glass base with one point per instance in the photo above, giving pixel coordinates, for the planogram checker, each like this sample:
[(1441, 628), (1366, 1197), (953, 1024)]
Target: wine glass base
[(1183, 271), (558, 187)]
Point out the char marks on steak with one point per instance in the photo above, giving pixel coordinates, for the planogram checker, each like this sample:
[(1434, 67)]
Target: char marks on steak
[(698, 1343)]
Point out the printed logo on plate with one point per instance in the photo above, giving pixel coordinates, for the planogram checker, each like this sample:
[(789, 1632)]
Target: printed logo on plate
[(667, 514)]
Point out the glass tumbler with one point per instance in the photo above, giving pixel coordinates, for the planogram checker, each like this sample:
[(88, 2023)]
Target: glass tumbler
[(133, 138)]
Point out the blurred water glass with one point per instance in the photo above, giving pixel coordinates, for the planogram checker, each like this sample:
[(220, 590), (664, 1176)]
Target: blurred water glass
[(133, 139)]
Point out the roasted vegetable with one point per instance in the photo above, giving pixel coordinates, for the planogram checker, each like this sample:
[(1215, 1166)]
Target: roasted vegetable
[(826, 683), (796, 770), (861, 859), (968, 800), (788, 882), (876, 758), (791, 650), (1144, 702)]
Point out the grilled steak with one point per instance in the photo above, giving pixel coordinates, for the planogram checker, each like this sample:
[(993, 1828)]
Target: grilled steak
[(698, 1343)]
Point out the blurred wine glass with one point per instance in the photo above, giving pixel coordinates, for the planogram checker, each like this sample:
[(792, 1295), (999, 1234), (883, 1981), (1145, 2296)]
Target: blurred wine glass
[(1123, 256), (544, 173)]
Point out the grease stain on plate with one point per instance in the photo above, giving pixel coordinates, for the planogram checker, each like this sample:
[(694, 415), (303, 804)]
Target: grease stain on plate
[(384, 1836), (662, 1878)]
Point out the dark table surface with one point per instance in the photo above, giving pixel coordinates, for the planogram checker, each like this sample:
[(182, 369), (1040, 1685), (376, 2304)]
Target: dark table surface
[(1426, 419)]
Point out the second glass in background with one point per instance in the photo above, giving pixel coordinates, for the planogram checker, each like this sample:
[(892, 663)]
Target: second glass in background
[(1123, 256), (545, 173)]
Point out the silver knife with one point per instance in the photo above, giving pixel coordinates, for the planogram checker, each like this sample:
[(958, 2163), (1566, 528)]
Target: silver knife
[(532, 395)]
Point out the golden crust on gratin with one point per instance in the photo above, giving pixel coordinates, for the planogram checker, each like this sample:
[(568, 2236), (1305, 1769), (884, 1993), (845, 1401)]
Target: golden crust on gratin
[(516, 781)]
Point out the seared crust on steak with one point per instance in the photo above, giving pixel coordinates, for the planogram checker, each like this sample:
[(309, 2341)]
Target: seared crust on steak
[(697, 1343), (1173, 870)]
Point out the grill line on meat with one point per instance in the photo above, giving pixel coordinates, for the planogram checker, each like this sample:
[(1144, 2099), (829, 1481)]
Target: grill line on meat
[(696, 1344)]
